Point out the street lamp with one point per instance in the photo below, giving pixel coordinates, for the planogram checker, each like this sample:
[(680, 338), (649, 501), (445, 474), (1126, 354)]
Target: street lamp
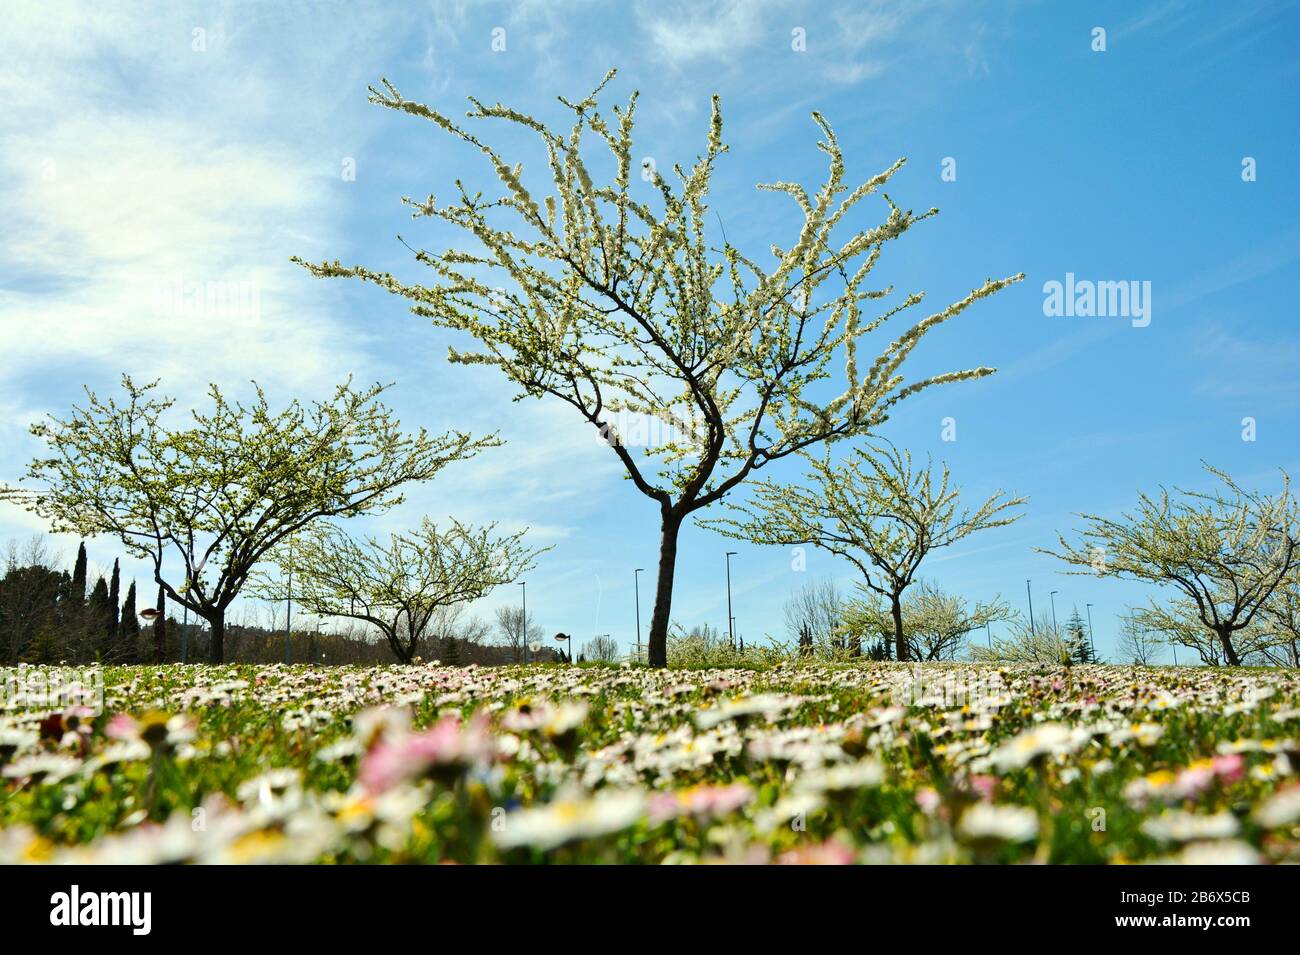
[(523, 626), (1029, 591), (288, 609), (1092, 644), (731, 621), (185, 640), (636, 582), (988, 633), (1052, 597), (560, 638)]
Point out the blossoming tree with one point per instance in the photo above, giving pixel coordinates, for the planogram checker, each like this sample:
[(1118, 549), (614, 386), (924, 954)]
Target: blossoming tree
[(1226, 552), (935, 624), (204, 501), (399, 586), (876, 511), (618, 304)]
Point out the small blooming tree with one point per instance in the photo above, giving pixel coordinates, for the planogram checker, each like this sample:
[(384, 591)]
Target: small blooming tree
[(204, 501), (1026, 641), (1177, 624), (876, 511), (1226, 552), (622, 305), (935, 624), (398, 586)]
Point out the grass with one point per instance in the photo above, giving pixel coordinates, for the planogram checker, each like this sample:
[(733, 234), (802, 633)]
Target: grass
[(790, 763)]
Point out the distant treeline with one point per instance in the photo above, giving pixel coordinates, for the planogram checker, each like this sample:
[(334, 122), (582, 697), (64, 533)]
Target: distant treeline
[(50, 615)]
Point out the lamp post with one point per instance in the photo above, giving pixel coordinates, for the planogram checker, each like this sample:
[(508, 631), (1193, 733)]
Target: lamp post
[(1052, 597), (560, 638), (1030, 591), (731, 621), (636, 582), (288, 609), (523, 626), (988, 633), (1092, 644)]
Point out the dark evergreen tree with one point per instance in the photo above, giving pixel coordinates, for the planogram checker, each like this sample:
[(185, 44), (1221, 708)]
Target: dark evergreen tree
[(1076, 639), (451, 652), (79, 574), (160, 629), (29, 599), (114, 599), (45, 648), (129, 626), (96, 637), (66, 605), (77, 630)]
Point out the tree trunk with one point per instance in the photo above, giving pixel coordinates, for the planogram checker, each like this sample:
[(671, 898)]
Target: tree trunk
[(395, 643), (217, 648), (657, 654), (1229, 651), (896, 610)]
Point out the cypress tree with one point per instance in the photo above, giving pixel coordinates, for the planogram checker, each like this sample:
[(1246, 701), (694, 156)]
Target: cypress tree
[(130, 623), (79, 574), (75, 614), (160, 629), (114, 599), (98, 643), (65, 607)]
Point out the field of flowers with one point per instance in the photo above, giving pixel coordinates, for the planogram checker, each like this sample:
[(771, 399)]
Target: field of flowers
[(873, 763)]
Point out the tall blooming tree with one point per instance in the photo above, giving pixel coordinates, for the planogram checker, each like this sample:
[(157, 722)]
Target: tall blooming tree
[(204, 500), (621, 305), (877, 511)]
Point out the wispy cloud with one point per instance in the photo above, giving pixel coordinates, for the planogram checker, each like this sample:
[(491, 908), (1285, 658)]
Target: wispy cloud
[(155, 205)]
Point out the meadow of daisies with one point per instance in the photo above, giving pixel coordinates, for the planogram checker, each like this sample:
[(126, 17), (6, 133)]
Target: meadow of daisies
[(797, 763)]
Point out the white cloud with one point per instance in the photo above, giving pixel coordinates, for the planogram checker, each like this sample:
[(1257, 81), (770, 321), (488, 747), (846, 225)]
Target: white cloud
[(682, 33), (135, 162)]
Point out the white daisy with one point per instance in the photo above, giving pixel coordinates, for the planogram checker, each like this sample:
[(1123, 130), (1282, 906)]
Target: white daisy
[(1178, 826), (571, 817), (1280, 809), (1005, 823)]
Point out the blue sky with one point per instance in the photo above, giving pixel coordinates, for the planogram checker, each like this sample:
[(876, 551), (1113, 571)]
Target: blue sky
[(138, 152)]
